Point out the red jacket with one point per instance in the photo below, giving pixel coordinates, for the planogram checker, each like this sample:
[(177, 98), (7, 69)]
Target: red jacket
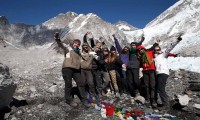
[(145, 66)]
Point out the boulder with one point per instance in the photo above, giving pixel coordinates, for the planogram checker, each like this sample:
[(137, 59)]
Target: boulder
[(7, 86), (197, 106), (183, 100), (194, 86), (140, 99)]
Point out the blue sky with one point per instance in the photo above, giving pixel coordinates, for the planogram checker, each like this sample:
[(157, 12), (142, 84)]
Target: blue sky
[(136, 12)]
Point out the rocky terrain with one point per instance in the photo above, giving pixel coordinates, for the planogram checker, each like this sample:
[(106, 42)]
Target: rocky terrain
[(35, 66), (40, 89)]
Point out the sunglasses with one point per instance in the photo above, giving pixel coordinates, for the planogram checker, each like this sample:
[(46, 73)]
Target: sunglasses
[(157, 50), (140, 49)]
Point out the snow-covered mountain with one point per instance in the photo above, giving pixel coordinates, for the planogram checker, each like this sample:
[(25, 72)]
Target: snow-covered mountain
[(20, 34), (182, 17), (60, 21), (127, 30), (94, 24), (124, 26), (70, 25)]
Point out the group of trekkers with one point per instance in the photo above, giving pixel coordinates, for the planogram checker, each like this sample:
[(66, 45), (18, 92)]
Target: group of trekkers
[(100, 68)]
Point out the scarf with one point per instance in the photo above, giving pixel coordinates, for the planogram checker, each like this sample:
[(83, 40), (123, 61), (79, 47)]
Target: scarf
[(146, 59), (77, 50), (132, 52)]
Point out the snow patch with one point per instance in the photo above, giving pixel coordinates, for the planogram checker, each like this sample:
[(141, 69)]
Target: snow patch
[(75, 19), (186, 63), (45, 46)]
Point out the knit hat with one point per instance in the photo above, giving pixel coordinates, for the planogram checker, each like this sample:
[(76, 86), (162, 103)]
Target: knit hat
[(105, 48), (98, 43), (77, 40), (85, 44), (141, 47), (133, 43), (127, 47), (112, 48)]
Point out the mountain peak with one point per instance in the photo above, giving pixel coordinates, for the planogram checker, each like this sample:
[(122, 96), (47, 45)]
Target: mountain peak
[(124, 26), (91, 14), (60, 21), (72, 13), (3, 20)]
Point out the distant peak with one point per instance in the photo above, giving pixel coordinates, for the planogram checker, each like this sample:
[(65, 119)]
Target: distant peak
[(68, 13), (122, 25), (3, 20), (121, 22), (72, 13), (92, 14)]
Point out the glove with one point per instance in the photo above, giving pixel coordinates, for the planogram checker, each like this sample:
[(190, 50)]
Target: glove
[(56, 35), (179, 37), (143, 38), (175, 55)]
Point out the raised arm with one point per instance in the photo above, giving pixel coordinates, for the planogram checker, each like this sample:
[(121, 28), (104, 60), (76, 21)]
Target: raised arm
[(85, 38), (59, 42), (141, 41), (152, 48), (172, 45), (119, 48), (92, 42)]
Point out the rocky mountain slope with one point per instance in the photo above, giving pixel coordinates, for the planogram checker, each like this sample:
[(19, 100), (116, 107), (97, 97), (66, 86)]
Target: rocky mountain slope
[(37, 69), (182, 17), (70, 25)]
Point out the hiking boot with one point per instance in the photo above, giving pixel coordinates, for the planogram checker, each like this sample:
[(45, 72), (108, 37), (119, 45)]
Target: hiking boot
[(147, 103), (86, 104), (117, 95), (72, 104), (137, 94), (154, 104), (103, 94), (166, 108)]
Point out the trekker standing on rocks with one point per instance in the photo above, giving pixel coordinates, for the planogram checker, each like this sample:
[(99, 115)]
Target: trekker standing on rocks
[(86, 69), (71, 69), (130, 59), (147, 63), (162, 71), (124, 56), (133, 68), (113, 62)]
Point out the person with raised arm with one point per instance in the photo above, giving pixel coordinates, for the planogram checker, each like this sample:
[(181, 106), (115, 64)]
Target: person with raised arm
[(71, 69), (162, 71)]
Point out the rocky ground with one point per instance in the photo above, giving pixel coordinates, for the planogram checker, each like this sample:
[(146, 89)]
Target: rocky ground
[(40, 89)]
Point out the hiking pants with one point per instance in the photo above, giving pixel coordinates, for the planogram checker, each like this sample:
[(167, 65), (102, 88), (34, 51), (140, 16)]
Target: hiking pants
[(161, 84), (97, 80), (113, 77), (133, 81), (68, 74), (87, 78), (149, 81)]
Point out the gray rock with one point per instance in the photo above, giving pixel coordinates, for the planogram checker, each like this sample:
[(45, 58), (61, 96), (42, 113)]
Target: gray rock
[(197, 106), (183, 99), (7, 86), (140, 99)]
